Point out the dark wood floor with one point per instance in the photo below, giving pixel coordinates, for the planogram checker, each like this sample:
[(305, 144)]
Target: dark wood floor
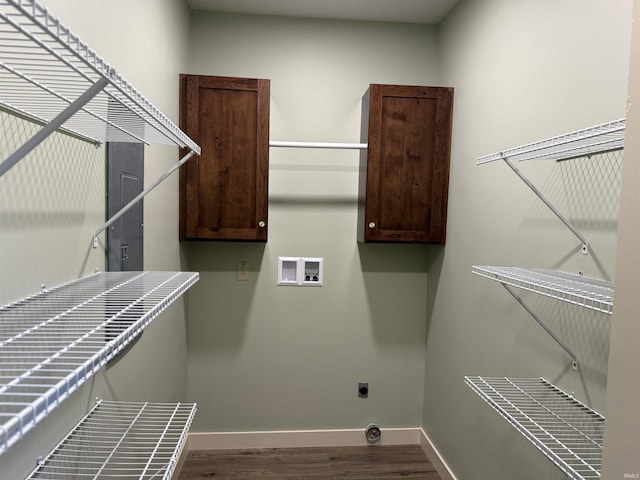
[(357, 463)]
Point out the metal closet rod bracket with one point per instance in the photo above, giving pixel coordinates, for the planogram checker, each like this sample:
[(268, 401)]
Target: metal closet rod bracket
[(574, 358), (140, 196), (556, 212)]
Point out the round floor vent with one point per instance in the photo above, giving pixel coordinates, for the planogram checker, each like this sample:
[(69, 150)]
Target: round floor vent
[(372, 433)]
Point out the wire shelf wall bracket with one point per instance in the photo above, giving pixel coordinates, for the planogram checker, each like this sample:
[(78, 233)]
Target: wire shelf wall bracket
[(121, 439), (54, 341), (575, 289), (606, 137), (139, 197), (545, 327), (569, 433), (550, 206)]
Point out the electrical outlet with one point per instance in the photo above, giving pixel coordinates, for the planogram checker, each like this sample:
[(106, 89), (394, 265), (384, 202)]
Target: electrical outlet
[(363, 390), (300, 271), (242, 271)]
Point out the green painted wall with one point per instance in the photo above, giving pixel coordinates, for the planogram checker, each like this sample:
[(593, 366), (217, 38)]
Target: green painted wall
[(268, 357), (523, 71)]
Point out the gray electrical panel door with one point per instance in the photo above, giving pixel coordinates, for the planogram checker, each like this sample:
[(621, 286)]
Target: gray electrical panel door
[(125, 179)]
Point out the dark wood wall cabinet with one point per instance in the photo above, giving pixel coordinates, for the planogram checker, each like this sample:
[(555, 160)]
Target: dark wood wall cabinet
[(224, 191), (404, 173)]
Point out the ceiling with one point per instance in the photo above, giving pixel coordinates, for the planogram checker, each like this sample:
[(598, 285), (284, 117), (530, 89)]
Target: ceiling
[(399, 11)]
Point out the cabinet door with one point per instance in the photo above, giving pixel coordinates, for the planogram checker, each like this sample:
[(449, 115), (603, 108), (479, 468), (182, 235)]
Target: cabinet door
[(224, 191), (404, 174)]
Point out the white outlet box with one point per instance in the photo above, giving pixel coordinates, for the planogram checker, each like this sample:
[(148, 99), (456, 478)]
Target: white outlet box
[(301, 271), (287, 271)]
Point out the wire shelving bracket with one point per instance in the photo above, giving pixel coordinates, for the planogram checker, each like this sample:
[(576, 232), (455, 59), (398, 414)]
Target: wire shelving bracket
[(52, 342), (138, 197), (566, 431), (121, 439), (606, 137), (544, 326), (550, 206), (578, 290)]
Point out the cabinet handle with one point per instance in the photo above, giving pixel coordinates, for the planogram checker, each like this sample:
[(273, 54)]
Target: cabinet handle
[(262, 224), (372, 224)]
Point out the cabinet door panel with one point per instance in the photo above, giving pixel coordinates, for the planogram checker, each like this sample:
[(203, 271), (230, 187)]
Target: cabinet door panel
[(406, 165), (227, 183), (224, 191)]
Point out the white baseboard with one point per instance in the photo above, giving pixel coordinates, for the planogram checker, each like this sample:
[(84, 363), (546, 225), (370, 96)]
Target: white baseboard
[(298, 438), (317, 438), (434, 455)]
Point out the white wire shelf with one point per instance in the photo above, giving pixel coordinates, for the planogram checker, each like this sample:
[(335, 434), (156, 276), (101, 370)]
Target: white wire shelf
[(123, 440), (44, 67), (579, 290), (588, 141), (567, 432), (52, 342)]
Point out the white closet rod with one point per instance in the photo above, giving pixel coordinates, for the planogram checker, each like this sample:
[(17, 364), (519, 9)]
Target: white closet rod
[(344, 146)]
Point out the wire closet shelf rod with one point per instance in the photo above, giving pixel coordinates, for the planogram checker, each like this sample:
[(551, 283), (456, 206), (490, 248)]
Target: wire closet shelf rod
[(123, 440), (52, 342)]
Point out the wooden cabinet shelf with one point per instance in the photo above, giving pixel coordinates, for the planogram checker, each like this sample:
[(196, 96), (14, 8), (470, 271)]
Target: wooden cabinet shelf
[(404, 174)]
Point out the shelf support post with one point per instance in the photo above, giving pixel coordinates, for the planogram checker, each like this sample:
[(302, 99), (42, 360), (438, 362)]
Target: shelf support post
[(138, 197), (573, 356), (556, 212), (53, 125)]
